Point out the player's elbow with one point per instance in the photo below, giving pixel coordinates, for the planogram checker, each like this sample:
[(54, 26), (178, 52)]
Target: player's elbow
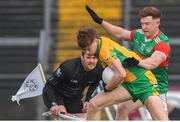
[(118, 35)]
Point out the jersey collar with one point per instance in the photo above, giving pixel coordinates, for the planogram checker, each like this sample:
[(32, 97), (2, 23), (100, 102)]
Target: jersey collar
[(156, 35)]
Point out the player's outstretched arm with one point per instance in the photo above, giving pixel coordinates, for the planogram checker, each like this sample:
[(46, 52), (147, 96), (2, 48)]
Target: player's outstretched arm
[(94, 16), (116, 31)]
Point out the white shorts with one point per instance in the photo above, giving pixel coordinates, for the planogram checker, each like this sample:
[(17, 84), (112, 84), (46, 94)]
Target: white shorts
[(164, 101)]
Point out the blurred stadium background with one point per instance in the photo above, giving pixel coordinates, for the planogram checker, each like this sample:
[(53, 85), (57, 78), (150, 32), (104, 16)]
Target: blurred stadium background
[(44, 31)]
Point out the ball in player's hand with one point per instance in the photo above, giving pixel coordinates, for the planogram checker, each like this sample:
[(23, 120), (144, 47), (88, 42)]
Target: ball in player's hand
[(107, 74)]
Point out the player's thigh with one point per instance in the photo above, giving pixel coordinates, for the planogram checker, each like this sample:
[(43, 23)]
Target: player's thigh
[(117, 95), (155, 107)]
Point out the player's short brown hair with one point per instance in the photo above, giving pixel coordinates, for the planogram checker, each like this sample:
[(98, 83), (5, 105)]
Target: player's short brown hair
[(86, 36), (150, 11)]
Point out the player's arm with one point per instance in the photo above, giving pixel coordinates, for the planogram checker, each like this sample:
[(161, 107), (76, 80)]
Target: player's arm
[(119, 75), (49, 99), (152, 62), (49, 92), (49, 89), (159, 56), (116, 31), (49, 95)]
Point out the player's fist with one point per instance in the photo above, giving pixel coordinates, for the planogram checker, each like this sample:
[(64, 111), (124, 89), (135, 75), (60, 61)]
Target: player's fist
[(94, 16)]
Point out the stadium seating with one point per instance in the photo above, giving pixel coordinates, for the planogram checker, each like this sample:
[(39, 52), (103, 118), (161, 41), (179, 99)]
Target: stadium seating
[(20, 24)]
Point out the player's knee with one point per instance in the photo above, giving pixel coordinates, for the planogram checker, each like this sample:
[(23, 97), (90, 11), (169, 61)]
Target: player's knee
[(123, 109), (93, 106)]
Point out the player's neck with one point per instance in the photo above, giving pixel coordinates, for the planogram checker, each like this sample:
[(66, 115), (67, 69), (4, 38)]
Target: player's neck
[(157, 32)]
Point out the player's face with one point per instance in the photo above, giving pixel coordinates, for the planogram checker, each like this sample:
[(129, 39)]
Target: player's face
[(150, 26), (89, 61), (91, 50)]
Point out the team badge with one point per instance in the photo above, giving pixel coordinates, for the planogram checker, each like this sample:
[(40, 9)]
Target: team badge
[(149, 50)]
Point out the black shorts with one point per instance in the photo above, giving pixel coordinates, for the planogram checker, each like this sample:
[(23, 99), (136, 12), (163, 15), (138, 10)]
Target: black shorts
[(71, 105)]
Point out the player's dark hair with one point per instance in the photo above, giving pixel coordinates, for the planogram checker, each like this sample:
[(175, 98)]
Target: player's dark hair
[(86, 36), (149, 11), (82, 53)]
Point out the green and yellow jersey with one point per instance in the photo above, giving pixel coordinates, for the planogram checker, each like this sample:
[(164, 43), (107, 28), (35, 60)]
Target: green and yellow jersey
[(108, 51), (139, 82)]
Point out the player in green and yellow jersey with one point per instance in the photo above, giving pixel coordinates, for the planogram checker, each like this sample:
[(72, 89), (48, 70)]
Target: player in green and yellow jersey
[(150, 44), (128, 83)]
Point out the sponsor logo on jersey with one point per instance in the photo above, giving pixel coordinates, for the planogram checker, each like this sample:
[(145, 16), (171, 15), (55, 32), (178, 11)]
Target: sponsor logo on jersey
[(74, 81)]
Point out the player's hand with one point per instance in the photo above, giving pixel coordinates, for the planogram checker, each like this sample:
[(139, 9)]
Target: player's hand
[(56, 109), (94, 16), (131, 61), (85, 107)]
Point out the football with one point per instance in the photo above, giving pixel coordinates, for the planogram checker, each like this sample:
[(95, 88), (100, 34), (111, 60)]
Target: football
[(107, 75)]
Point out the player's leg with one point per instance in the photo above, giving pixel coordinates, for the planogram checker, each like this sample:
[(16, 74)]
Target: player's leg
[(155, 107), (146, 115), (164, 101), (102, 100), (125, 108)]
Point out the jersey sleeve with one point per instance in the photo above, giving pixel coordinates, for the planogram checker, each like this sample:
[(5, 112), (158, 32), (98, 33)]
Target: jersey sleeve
[(162, 47), (58, 75), (132, 34)]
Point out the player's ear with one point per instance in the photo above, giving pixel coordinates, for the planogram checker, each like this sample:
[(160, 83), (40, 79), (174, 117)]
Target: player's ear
[(157, 21), (82, 56)]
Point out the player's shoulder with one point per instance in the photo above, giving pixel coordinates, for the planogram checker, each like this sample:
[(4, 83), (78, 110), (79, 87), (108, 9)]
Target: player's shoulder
[(107, 41), (99, 67), (138, 33), (163, 37), (105, 38), (70, 63)]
